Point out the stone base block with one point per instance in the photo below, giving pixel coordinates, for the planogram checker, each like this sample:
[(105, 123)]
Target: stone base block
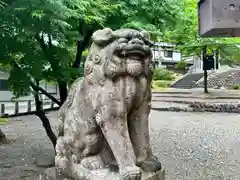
[(103, 174)]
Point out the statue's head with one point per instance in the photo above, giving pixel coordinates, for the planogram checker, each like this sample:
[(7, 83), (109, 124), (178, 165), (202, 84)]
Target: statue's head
[(125, 52)]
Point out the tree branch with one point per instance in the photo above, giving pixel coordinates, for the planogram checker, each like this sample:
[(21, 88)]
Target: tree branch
[(41, 41), (37, 88), (49, 40), (54, 65)]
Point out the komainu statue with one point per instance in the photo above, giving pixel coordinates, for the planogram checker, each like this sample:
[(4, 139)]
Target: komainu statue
[(103, 125)]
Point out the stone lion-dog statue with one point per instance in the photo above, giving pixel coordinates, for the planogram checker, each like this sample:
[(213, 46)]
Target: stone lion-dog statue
[(104, 121)]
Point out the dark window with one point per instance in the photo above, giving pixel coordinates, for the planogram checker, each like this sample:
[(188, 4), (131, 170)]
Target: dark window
[(3, 85), (168, 54)]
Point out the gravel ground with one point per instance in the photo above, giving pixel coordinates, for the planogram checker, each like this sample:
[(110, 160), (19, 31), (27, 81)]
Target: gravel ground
[(29, 147), (191, 146), (197, 146)]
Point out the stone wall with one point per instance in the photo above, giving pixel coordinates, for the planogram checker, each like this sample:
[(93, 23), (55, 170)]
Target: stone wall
[(220, 80), (205, 107), (215, 107)]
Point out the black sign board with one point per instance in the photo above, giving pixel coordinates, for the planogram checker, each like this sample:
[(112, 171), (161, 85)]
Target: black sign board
[(208, 62)]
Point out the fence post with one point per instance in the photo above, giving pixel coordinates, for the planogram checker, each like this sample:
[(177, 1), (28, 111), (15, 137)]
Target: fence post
[(2, 109), (16, 108), (52, 104), (29, 106)]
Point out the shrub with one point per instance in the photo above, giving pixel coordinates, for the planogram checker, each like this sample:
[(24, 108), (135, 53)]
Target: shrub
[(236, 86), (181, 65), (163, 74)]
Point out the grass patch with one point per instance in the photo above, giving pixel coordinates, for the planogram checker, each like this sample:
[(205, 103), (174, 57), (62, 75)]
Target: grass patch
[(3, 121), (161, 84)]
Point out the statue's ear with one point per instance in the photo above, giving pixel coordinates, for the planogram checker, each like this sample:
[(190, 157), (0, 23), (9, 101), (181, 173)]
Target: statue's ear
[(103, 37), (145, 35)]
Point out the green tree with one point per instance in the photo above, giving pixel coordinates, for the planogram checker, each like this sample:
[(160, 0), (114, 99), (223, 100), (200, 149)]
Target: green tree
[(185, 35), (45, 39)]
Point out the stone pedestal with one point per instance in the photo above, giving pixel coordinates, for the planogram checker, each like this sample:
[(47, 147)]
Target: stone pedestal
[(103, 174)]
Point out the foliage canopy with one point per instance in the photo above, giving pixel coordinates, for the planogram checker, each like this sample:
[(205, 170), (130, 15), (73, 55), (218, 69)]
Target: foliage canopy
[(38, 37), (185, 35)]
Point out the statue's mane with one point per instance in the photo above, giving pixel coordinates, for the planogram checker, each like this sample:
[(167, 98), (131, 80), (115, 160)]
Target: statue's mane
[(94, 70)]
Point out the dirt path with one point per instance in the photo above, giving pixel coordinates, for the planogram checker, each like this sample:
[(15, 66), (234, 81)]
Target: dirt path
[(191, 146)]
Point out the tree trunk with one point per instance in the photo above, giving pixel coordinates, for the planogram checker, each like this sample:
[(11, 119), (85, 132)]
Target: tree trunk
[(45, 121), (78, 58), (81, 46), (63, 91), (3, 138)]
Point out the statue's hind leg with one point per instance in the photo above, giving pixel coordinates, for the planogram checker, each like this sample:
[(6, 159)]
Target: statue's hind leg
[(93, 143), (92, 158)]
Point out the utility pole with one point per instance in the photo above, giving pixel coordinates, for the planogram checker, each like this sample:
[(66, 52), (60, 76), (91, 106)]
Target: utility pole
[(204, 57), (217, 58)]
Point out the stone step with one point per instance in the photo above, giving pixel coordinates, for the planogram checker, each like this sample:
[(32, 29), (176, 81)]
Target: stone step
[(188, 81)]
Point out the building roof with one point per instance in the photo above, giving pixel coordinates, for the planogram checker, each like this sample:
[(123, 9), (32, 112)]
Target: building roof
[(164, 44)]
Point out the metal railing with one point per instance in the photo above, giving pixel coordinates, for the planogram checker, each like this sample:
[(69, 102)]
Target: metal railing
[(24, 107)]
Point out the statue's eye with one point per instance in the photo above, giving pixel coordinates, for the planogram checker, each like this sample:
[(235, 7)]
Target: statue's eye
[(121, 55), (122, 40)]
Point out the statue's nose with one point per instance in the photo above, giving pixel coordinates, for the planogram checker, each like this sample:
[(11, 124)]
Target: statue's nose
[(136, 41)]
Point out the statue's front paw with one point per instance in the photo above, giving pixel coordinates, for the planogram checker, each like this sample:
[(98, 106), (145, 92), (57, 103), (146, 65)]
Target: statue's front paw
[(92, 162), (130, 173), (151, 164)]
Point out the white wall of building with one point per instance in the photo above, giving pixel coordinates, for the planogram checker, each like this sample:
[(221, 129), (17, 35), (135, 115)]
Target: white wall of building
[(160, 54), (6, 96)]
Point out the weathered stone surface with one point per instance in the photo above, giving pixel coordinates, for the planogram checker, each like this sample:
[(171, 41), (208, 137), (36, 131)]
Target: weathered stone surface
[(103, 174), (3, 139), (104, 121), (49, 174)]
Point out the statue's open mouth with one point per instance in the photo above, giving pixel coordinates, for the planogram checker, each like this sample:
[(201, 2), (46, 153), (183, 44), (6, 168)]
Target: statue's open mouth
[(136, 54), (133, 52)]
